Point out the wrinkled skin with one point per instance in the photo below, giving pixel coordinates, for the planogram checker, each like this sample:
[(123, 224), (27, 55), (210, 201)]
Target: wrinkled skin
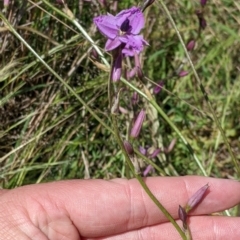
[(116, 209)]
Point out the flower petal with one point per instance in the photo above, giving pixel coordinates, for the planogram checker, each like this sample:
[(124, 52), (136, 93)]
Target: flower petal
[(107, 25), (136, 21), (134, 44), (124, 14), (112, 44)]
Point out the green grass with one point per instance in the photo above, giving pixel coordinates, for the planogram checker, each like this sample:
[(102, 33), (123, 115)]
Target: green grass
[(47, 134)]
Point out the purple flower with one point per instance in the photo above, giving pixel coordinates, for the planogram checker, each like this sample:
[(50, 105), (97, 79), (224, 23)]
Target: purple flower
[(123, 30)]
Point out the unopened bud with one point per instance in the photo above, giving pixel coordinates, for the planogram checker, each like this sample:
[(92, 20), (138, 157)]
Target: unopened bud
[(183, 74), (137, 124), (6, 3), (148, 169), (128, 148), (183, 216), (191, 45), (171, 146), (201, 19), (203, 2), (138, 66), (158, 87), (130, 74), (196, 198), (135, 98), (155, 153), (143, 150)]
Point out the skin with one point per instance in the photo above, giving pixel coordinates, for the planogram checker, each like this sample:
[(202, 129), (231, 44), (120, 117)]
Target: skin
[(116, 209)]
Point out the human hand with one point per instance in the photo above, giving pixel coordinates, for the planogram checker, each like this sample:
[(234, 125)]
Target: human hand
[(116, 209)]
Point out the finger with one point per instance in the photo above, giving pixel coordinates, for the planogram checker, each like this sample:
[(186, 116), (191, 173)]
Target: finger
[(202, 228), (100, 208)]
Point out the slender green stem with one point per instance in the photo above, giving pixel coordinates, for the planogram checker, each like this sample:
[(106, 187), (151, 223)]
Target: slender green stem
[(202, 89), (141, 181)]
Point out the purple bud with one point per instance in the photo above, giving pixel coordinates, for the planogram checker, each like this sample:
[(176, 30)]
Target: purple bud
[(128, 148), (143, 150), (94, 54), (183, 216), (171, 146), (138, 66), (196, 198), (191, 45), (203, 2), (135, 98), (137, 124), (117, 68), (201, 19), (148, 169), (123, 110), (6, 3), (158, 87), (203, 23), (155, 153), (183, 74), (131, 73), (140, 73)]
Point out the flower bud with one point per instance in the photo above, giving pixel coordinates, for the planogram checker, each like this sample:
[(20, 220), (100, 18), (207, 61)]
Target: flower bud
[(158, 87), (130, 74), (143, 150), (183, 74), (137, 124), (6, 3), (128, 148), (171, 146), (148, 169), (201, 19), (196, 198), (183, 216), (203, 2), (135, 98), (155, 153), (191, 45)]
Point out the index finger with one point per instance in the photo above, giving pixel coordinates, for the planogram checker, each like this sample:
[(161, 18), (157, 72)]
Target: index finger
[(103, 208)]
